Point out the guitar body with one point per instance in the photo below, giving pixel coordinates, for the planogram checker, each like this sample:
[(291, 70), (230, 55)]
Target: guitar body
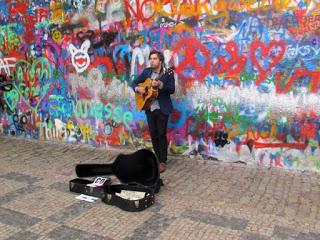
[(143, 101)]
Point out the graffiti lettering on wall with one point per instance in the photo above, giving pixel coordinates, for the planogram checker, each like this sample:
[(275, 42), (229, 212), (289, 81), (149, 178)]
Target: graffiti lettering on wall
[(6, 65), (247, 75), (86, 109)]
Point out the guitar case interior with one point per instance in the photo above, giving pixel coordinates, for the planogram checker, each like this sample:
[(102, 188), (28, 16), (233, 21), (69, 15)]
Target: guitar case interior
[(138, 172)]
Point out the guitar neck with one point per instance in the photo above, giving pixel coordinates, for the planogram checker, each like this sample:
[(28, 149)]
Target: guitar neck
[(169, 71)]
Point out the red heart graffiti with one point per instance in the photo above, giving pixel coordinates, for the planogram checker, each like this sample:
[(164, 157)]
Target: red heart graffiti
[(265, 52)]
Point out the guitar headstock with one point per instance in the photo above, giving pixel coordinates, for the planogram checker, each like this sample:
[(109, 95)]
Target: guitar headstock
[(170, 70)]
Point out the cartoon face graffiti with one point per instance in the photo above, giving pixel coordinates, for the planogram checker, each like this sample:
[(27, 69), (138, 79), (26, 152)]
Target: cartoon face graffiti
[(79, 57), (79, 4), (56, 35)]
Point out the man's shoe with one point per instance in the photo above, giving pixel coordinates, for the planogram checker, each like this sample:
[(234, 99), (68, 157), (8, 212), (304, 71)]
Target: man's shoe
[(162, 167)]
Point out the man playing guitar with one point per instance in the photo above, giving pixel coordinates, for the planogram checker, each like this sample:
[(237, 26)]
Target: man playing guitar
[(160, 107)]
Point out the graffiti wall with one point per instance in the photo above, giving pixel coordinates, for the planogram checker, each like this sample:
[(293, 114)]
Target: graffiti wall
[(247, 72)]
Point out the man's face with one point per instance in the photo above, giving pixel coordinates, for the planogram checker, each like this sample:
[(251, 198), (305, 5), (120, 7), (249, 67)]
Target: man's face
[(154, 61)]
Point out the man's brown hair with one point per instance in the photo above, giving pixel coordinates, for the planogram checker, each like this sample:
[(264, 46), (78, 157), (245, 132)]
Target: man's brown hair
[(160, 55)]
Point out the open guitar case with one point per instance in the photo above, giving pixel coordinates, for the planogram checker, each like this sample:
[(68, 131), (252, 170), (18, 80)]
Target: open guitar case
[(137, 172)]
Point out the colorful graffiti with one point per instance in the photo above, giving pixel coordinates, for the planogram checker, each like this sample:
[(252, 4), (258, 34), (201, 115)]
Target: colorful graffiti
[(247, 75)]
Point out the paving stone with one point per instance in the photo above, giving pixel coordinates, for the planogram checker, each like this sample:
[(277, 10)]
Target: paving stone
[(109, 221), (185, 228), (152, 227), (309, 236), (283, 232), (17, 219), (19, 177), (44, 227), (23, 235), (214, 219), (156, 207), (64, 232), (252, 236), (70, 212), (60, 186), (42, 203), (8, 230), (8, 186)]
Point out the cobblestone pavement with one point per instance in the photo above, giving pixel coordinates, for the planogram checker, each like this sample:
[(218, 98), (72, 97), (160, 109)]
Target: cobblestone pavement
[(201, 199)]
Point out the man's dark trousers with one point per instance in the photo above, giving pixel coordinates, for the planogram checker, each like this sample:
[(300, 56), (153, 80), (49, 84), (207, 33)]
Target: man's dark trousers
[(157, 123)]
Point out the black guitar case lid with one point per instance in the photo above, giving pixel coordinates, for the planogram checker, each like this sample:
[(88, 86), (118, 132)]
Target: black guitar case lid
[(140, 167)]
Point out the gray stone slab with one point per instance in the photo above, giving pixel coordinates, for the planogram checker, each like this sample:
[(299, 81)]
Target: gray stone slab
[(17, 219), (309, 236), (283, 232), (218, 220), (24, 235), (60, 186), (64, 232), (71, 212), (10, 196), (20, 177), (152, 227), (156, 207), (252, 236)]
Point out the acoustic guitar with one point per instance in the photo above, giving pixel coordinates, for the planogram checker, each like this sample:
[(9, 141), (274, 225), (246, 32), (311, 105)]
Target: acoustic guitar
[(143, 101)]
